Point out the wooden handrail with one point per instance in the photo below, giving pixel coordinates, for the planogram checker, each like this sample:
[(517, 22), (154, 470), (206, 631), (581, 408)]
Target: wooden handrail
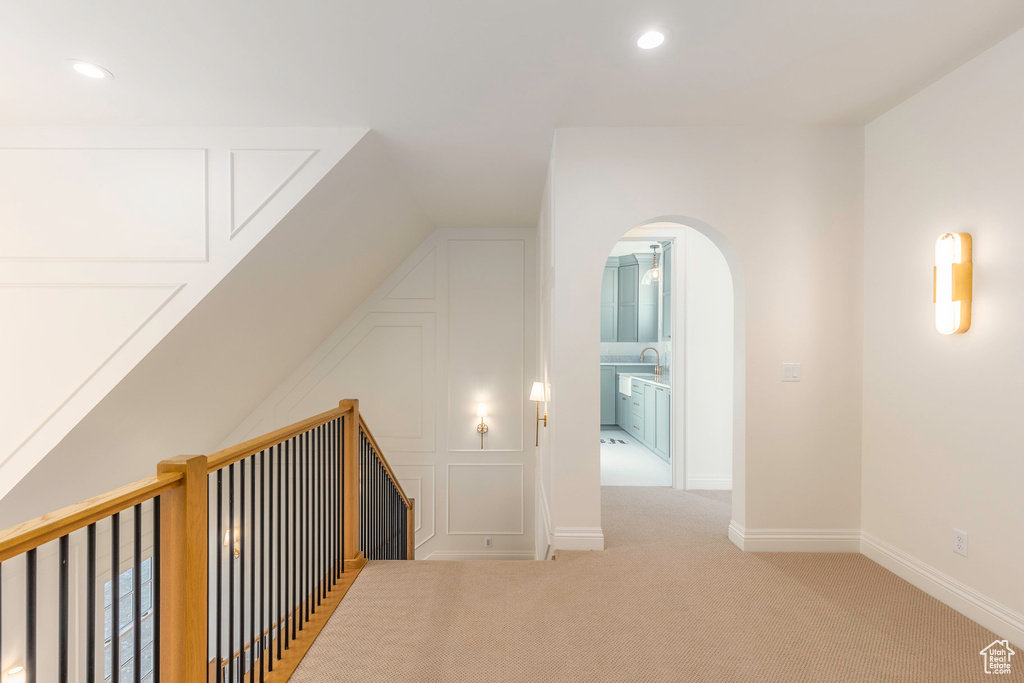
[(228, 456), (183, 534), (380, 457), (49, 527)]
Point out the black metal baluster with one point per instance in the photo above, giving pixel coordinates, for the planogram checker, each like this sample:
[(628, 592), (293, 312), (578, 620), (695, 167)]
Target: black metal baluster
[(90, 604), (30, 616), (306, 518), (137, 594), (341, 496), (231, 573), (295, 537), (62, 625), (220, 574), (277, 616), (251, 642), (115, 599), (156, 591), (241, 570), (286, 511), (263, 549), (318, 479), (275, 456)]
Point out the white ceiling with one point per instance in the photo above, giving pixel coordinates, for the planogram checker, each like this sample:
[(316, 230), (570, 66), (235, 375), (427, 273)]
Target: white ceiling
[(466, 94)]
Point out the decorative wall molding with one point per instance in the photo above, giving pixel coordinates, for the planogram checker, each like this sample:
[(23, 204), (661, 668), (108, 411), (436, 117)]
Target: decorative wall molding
[(165, 292), (123, 204), (488, 496), (331, 377), (989, 613), (426, 504), (795, 540), (135, 207), (473, 377), (579, 538), (462, 555), (257, 175), (420, 282), (709, 483)]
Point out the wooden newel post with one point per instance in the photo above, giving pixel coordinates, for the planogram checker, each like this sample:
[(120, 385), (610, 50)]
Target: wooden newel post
[(184, 583), (350, 461)]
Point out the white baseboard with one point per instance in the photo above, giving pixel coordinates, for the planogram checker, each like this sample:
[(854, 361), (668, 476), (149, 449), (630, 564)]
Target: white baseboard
[(795, 540), (579, 538), (463, 555), (994, 616), (709, 483)]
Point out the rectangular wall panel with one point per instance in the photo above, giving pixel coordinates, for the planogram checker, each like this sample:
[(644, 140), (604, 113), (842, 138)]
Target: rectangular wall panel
[(486, 343), (485, 499), (120, 204)]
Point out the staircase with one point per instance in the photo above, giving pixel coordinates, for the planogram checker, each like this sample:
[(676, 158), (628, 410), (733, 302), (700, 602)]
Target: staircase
[(227, 566)]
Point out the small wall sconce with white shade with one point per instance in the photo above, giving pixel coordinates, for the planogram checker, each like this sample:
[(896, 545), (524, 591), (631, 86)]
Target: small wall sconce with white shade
[(15, 675), (227, 542), (537, 394), (953, 283), (481, 412)]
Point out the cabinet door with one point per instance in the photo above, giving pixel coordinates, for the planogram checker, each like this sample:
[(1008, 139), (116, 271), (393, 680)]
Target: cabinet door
[(647, 304), (650, 416), (666, 294), (663, 416), (622, 411), (629, 285), (608, 394), (609, 304)]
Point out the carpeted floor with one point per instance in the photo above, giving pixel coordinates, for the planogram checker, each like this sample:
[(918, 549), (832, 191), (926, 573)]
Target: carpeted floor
[(671, 599)]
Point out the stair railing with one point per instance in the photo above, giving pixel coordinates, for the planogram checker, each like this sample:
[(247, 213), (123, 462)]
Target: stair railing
[(236, 561)]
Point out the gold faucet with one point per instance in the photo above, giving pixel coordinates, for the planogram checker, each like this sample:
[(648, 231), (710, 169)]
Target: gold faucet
[(657, 367)]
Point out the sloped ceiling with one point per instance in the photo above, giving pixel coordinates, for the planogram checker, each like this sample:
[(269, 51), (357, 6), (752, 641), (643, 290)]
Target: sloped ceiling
[(466, 95), (267, 315)]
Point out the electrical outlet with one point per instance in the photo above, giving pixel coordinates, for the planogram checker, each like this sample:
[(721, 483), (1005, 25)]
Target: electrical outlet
[(487, 541), (959, 542)]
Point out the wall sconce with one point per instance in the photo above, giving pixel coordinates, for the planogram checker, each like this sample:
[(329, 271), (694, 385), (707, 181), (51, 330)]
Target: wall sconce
[(953, 283), (16, 675), (537, 395), (481, 411), (227, 542)]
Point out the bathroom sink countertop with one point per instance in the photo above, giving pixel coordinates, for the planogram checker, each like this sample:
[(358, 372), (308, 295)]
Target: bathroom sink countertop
[(663, 381), (627, 362)]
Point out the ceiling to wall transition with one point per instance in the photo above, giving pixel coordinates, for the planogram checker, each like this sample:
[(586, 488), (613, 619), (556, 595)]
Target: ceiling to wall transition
[(466, 95)]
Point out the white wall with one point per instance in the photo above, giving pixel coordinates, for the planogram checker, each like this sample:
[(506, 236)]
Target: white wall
[(788, 203), (110, 237), (942, 414), (448, 329), (245, 336), (708, 343)]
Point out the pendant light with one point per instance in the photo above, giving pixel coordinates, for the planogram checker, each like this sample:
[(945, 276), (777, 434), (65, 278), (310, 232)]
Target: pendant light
[(652, 276)]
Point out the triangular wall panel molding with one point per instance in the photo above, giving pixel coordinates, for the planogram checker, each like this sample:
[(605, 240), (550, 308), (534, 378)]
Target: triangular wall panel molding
[(420, 283), (59, 337), (257, 175)]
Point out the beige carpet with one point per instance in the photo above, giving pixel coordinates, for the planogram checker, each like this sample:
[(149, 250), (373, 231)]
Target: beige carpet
[(671, 599)]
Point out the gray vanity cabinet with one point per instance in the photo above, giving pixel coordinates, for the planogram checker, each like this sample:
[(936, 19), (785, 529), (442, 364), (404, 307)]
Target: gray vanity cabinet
[(650, 416), (610, 304), (608, 394), (663, 421), (629, 301)]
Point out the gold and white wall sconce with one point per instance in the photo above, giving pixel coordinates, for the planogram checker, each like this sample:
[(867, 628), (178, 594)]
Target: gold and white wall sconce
[(537, 394), (481, 412), (953, 284), (227, 542)]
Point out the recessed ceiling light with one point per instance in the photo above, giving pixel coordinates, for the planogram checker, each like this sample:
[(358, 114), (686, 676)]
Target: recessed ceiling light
[(90, 70), (652, 38)]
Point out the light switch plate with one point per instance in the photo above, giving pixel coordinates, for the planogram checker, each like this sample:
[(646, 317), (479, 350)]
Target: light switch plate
[(790, 372)]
